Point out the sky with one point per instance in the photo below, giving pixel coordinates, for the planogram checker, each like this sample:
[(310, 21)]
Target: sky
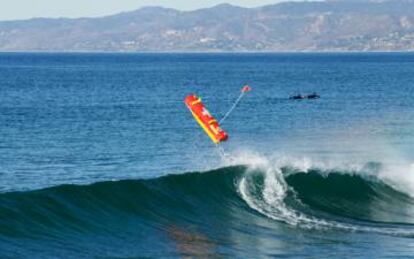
[(25, 9)]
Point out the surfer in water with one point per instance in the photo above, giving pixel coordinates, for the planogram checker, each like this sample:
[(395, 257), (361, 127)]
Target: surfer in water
[(314, 95)]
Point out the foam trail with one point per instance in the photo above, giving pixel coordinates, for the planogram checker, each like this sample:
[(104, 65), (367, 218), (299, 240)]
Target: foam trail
[(271, 203)]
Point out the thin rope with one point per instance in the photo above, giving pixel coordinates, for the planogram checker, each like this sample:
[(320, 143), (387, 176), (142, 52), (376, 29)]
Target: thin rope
[(232, 108), (221, 152), (223, 155)]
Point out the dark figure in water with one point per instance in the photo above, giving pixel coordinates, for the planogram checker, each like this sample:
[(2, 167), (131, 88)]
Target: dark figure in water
[(297, 97), (314, 96), (301, 97)]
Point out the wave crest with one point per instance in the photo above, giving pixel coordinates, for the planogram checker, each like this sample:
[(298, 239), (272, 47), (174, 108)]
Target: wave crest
[(310, 197), (313, 198)]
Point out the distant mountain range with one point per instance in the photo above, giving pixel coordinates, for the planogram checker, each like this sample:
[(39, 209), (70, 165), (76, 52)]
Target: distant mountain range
[(341, 25)]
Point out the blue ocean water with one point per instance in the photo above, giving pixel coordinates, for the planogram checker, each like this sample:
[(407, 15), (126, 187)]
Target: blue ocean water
[(99, 157)]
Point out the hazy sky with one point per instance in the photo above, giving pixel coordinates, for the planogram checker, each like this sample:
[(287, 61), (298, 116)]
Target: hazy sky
[(23, 9)]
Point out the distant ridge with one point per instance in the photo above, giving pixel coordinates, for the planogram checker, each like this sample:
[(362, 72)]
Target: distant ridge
[(333, 25)]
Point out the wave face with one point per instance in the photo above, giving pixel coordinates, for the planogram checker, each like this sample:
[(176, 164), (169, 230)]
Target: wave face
[(197, 212)]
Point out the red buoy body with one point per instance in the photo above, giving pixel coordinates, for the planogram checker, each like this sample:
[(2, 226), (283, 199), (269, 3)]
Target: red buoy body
[(207, 122)]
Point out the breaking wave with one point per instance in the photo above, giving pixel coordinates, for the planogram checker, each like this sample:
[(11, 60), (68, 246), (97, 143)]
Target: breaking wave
[(309, 198)]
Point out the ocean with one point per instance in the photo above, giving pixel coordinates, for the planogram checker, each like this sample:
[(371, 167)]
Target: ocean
[(100, 158)]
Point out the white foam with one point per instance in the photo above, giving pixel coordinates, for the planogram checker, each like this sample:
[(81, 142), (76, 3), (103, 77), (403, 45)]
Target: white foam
[(400, 177), (270, 199), (271, 203)]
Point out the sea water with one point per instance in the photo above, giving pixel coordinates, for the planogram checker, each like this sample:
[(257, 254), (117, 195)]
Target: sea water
[(99, 157)]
